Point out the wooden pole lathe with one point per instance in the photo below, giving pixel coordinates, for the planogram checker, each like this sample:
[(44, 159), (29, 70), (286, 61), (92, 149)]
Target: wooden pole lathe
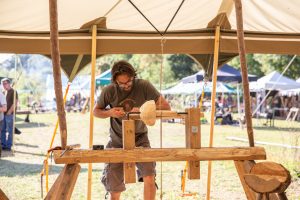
[(55, 55), (213, 105), (92, 100)]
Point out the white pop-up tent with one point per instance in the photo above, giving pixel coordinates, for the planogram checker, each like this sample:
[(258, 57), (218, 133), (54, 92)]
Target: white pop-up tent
[(274, 81), (196, 88)]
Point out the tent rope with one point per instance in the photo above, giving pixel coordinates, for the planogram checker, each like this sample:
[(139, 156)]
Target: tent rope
[(160, 33)]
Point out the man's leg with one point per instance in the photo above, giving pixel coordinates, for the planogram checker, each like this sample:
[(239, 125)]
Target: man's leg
[(9, 125), (115, 195), (3, 133), (149, 187)]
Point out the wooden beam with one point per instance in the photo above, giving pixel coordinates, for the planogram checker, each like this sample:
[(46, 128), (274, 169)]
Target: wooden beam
[(64, 184), (128, 130), (163, 114), (151, 155), (55, 55)]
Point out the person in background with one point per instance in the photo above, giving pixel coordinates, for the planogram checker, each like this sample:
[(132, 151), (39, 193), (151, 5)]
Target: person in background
[(8, 121), (125, 86), (3, 109)]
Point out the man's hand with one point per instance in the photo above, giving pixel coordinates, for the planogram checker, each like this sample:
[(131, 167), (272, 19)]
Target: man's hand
[(117, 112), (135, 109)]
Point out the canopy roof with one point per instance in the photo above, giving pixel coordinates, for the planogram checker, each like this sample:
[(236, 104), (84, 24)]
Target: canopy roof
[(225, 73), (273, 81), (271, 26), (196, 88)]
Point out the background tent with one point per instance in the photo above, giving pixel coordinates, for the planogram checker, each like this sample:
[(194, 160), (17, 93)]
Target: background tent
[(226, 73), (273, 82), (104, 78), (196, 88), (271, 26)]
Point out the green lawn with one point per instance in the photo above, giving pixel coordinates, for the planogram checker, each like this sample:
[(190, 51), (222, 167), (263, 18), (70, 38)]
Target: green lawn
[(20, 172)]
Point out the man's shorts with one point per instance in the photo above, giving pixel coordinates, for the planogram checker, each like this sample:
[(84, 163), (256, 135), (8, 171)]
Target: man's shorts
[(113, 176)]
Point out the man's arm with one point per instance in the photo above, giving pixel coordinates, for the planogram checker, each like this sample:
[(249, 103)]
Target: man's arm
[(117, 112), (3, 108), (11, 109), (162, 104)]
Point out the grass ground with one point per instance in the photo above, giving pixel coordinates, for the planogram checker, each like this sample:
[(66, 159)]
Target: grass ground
[(20, 172)]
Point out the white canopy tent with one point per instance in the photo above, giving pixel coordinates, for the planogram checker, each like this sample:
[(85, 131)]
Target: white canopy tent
[(196, 88), (273, 81)]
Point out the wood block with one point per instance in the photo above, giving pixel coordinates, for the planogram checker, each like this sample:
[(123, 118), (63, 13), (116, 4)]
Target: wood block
[(268, 177), (128, 127), (193, 139)]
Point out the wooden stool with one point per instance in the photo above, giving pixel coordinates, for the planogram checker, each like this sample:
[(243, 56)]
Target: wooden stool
[(268, 177)]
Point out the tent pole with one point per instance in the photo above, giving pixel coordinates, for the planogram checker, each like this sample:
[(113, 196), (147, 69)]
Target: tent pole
[(55, 55), (92, 99), (242, 53), (213, 106)]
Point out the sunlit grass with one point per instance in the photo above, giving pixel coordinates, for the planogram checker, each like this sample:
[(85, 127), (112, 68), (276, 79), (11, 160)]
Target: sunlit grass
[(20, 173)]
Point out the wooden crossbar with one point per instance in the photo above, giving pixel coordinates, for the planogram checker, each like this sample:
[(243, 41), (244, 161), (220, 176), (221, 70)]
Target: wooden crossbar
[(166, 154)]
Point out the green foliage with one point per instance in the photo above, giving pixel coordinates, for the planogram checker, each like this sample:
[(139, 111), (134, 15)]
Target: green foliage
[(182, 65), (262, 64)]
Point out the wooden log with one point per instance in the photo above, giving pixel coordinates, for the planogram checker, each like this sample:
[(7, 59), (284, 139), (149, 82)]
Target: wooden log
[(193, 139), (268, 177), (167, 154), (128, 128), (64, 184)]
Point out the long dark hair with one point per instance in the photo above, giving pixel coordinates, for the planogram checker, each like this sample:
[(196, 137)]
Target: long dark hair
[(122, 67)]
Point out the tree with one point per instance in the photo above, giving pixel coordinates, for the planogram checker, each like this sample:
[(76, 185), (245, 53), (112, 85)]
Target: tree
[(182, 65)]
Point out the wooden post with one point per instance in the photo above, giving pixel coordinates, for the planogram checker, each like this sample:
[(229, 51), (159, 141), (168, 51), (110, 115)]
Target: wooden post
[(64, 185), (92, 100), (213, 106), (128, 131), (243, 167), (55, 55), (193, 139), (244, 70), (2, 194)]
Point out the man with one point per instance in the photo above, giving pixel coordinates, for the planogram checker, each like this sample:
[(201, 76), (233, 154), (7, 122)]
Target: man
[(125, 86), (3, 109), (7, 125)]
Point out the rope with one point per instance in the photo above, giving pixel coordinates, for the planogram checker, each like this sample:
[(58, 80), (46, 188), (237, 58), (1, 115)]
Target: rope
[(162, 34)]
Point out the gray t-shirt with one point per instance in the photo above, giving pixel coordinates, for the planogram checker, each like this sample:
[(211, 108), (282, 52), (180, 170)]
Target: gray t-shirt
[(2, 102), (111, 96)]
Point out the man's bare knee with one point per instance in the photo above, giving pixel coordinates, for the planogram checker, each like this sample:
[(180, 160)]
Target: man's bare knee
[(115, 195)]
